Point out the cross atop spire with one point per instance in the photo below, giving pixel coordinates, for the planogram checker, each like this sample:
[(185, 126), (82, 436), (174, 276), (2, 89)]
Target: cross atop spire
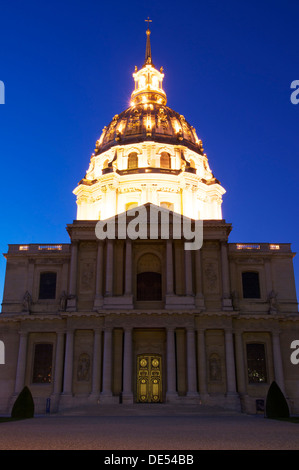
[(148, 52), (148, 22)]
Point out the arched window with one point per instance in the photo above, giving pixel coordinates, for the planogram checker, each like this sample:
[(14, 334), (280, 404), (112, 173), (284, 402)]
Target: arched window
[(251, 285), (149, 278), (105, 164), (256, 363), (132, 161), (42, 365), (165, 160)]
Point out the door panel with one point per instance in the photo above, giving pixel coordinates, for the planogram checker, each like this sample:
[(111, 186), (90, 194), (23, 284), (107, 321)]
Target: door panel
[(149, 378)]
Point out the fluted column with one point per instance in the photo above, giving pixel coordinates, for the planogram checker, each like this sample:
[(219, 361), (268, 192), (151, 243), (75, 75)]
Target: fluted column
[(191, 363), (268, 276), (202, 367), (98, 301), (109, 268), (97, 361), (278, 367), (128, 270), (127, 395), (199, 298), (226, 296), (107, 364), (230, 362), (188, 273), (73, 268), (58, 370), (169, 268), (68, 363), (22, 359), (171, 366), (240, 366), (71, 303)]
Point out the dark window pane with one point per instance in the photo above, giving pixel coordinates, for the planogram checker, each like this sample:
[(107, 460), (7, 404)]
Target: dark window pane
[(132, 161), (251, 285), (256, 363), (47, 286), (165, 160), (149, 286), (42, 367)]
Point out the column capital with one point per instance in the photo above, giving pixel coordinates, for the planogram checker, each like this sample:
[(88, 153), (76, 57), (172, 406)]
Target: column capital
[(228, 330), (190, 329), (200, 329), (128, 328), (97, 330), (23, 334), (107, 328)]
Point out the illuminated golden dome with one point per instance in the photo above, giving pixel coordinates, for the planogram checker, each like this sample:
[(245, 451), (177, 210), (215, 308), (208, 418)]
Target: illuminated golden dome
[(149, 154), (148, 117)]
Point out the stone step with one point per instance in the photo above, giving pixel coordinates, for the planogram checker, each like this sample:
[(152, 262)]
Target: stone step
[(145, 409)]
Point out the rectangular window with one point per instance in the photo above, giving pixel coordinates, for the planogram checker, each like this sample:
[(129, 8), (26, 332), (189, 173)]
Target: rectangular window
[(42, 365), (256, 363), (47, 286), (251, 285)]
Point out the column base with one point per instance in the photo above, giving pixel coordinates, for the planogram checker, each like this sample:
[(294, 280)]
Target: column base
[(204, 398), (55, 401), (65, 401), (127, 398), (233, 401), (94, 398), (193, 397), (171, 397), (108, 399)]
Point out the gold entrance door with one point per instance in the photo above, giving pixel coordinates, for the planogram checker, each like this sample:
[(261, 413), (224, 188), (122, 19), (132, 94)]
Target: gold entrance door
[(149, 378)]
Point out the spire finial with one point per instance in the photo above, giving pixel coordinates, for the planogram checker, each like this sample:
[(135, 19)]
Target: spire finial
[(148, 52), (148, 21)]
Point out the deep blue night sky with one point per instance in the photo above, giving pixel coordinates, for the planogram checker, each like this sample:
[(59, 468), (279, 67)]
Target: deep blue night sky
[(67, 68)]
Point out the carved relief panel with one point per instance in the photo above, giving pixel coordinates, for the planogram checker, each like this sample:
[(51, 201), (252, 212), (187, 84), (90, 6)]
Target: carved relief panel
[(87, 268), (215, 347), (83, 358)]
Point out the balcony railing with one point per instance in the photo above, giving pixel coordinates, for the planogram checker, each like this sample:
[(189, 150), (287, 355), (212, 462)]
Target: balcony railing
[(260, 247), (38, 248)]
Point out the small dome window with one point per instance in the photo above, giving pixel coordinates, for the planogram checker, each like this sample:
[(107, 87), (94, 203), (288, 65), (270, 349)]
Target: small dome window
[(132, 161), (165, 160)]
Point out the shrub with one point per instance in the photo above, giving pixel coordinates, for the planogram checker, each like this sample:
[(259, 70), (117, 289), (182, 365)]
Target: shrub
[(23, 407), (276, 404)]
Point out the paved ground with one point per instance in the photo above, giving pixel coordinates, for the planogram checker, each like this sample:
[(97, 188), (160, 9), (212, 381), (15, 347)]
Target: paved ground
[(152, 427)]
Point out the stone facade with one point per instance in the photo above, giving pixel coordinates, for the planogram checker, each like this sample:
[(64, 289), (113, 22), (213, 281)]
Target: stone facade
[(199, 329)]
